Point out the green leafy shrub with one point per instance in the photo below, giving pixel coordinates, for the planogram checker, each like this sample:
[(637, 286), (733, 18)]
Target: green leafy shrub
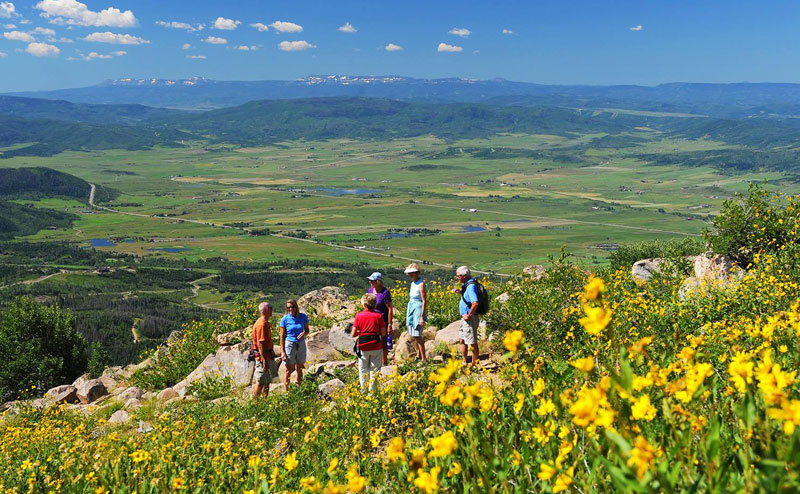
[(761, 222), (99, 359), (40, 347), (212, 387)]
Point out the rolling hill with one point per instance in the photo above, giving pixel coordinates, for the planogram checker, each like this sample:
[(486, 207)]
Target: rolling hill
[(38, 108)]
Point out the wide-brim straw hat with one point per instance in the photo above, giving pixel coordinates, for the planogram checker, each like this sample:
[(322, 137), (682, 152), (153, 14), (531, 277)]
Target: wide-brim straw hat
[(412, 268)]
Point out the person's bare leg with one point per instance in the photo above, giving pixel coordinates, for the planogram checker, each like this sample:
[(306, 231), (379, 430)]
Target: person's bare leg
[(464, 352), (289, 369), (420, 348), (475, 354), (299, 368), (385, 356)]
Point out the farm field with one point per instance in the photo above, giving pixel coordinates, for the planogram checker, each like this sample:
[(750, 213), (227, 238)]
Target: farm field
[(497, 204)]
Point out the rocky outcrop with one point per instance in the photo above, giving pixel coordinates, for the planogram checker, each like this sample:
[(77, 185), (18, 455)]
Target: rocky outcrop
[(329, 367), (232, 338), (404, 347), (229, 361), (502, 298), (534, 271), (166, 394), (62, 394), (712, 272), (329, 388), (131, 392), (319, 348), (339, 337), (132, 404), (330, 301), (91, 391), (644, 270)]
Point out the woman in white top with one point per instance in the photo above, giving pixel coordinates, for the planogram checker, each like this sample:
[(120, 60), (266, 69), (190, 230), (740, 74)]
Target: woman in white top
[(416, 314)]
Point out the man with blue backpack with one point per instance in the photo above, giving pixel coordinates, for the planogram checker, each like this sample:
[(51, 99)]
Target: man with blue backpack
[(474, 302)]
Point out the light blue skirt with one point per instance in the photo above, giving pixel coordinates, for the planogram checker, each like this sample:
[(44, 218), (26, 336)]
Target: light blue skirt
[(415, 318)]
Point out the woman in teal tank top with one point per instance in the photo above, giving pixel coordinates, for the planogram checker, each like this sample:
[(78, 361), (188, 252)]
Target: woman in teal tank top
[(416, 314)]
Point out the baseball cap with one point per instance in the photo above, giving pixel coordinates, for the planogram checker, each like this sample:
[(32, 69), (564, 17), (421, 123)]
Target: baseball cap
[(376, 276)]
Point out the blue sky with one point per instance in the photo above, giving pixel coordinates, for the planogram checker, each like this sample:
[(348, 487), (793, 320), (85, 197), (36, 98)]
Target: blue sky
[(48, 44)]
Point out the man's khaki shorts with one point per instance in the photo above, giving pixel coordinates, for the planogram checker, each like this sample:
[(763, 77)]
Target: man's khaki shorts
[(468, 331)]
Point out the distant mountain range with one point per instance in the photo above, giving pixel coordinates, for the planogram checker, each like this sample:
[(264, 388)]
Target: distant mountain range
[(761, 100)]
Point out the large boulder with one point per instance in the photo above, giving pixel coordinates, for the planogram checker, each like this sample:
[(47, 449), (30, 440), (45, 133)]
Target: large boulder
[(91, 391), (404, 348), (319, 348), (329, 388), (329, 301), (430, 349), (119, 417), (712, 272), (534, 271), (229, 361), (232, 338), (166, 394), (449, 335), (110, 383), (329, 367), (81, 380), (62, 394), (644, 270), (132, 404), (131, 392), (339, 337), (502, 298)]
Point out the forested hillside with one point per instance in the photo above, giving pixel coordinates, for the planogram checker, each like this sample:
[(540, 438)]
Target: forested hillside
[(36, 108)]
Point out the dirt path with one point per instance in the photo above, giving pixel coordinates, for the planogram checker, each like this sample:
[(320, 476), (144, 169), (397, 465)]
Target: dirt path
[(34, 281), (196, 291)]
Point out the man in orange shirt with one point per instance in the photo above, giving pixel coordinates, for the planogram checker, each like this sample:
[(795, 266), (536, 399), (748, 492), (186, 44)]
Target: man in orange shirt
[(262, 343)]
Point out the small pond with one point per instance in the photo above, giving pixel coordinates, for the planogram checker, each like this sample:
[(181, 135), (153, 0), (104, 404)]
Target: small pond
[(101, 242)]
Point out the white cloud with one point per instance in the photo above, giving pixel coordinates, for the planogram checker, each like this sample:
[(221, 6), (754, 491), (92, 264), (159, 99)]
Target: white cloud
[(180, 25), (444, 47), (25, 21), (42, 50), (226, 24), (117, 39), (94, 55), (75, 13), (186, 46), (637, 27), (295, 45), (246, 48), (216, 41), (45, 31), (460, 31), (347, 28), (196, 57), (119, 53), (7, 10), (53, 39), (393, 47), (286, 27), (507, 31), (3, 54), (260, 26), (10, 26), (19, 36)]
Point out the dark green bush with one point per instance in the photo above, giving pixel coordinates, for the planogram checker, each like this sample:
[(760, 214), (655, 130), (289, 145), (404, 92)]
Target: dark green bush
[(627, 254), (39, 346)]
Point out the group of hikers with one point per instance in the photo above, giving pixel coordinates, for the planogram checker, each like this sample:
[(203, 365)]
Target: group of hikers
[(371, 329)]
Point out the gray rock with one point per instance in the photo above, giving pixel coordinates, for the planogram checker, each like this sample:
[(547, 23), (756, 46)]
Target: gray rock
[(535, 271), (229, 361), (717, 272), (319, 348), (119, 417), (132, 392), (62, 394), (388, 370), (329, 388), (329, 367), (132, 404), (430, 333), (166, 394), (174, 337), (91, 391), (404, 347), (80, 381), (502, 298), (226, 339), (339, 337), (110, 383), (330, 301), (449, 335), (430, 349), (643, 271), (221, 400), (276, 388)]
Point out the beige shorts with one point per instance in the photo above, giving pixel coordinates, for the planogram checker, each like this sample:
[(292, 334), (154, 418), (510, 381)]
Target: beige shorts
[(468, 331), (261, 375)]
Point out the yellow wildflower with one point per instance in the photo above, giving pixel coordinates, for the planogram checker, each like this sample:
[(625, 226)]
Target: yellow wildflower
[(512, 340), (443, 445), (596, 320), (642, 409), (291, 462), (585, 364), (395, 450)]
